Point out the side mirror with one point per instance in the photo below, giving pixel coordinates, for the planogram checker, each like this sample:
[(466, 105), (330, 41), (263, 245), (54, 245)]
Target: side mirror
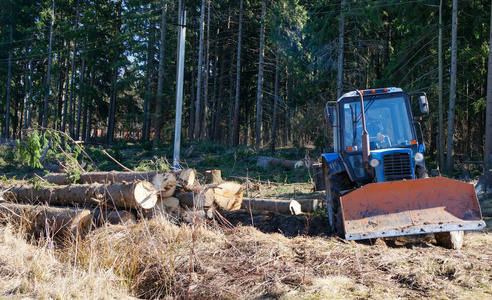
[(424, 105), (328, 112)]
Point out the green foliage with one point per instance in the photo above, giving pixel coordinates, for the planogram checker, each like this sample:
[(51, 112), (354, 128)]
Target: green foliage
[(321, 142), (31, 148), (5, 180), (7, 156), (160, 164)]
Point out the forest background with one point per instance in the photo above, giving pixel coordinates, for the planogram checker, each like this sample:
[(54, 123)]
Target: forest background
[(256, 72)]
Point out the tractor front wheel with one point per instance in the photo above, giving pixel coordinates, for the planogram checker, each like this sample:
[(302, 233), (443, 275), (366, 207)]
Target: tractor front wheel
[(335, 184)]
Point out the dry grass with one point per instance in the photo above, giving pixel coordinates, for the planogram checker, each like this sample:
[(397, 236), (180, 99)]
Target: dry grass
[(158, 259), (37, 272)]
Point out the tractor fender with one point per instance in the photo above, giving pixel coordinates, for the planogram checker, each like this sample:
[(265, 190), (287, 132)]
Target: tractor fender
[(333, 163)]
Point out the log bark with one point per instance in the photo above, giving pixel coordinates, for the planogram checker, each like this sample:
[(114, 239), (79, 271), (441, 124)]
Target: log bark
[(49, 220), (280, 206), (101, 177), (113, 217), (137, 194), (184, 179)]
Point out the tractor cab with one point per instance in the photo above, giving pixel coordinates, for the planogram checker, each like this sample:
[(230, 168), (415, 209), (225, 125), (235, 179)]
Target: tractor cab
[(394, 150)]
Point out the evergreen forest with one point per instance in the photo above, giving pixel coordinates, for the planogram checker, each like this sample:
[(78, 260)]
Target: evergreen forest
[(256, 72)]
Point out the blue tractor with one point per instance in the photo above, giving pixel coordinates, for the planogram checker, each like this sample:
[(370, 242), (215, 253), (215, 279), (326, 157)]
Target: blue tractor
[(376, 181)]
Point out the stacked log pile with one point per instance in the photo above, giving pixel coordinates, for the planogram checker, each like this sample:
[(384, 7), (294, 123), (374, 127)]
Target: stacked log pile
[(123, 197)]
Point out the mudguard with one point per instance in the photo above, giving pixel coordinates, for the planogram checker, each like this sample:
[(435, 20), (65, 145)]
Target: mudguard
[(410, 207)]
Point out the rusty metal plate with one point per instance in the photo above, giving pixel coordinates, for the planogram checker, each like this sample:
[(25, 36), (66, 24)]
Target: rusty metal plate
[(410, 207)]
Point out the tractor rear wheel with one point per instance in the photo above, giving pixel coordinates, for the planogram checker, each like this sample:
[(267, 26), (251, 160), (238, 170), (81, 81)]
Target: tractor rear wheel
[(450, 240)]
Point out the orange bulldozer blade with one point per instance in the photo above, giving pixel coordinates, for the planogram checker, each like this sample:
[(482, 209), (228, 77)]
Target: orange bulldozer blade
[(410, 207)]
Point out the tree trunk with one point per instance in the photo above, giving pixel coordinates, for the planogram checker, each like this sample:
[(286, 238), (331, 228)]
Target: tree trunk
[(207, 72), (112, 109), (80, 94), (148, 83), (191, 129), (9, 85), (441, 118), (57, 93), (86, 126), (160, 80), (72, 74), (116, 195), (340, 50), (275, 102), (200, 72), (48, 73), (65, 95), (259, 93), (49, 220), (488, 117), (452, 86), (235, 140)]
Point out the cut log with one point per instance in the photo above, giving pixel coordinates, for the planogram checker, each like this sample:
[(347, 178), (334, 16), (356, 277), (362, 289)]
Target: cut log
[(204, 198), (101, 177), (266, 162), (116, 195), (164, 206), (213, 176), (225, 196), (165, 184), (295, 208), (185, 179), (228, 195), (280, 206), (113, 217), (49, 220)]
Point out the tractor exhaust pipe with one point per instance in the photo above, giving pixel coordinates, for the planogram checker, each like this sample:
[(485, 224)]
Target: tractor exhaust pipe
[(365, 135)]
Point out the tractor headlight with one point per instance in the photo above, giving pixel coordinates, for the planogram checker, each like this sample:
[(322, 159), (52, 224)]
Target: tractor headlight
[(419, 157), (374, 163)]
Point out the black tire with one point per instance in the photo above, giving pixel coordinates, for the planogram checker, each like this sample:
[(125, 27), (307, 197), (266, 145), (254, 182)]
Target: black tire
[(335, 184)]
